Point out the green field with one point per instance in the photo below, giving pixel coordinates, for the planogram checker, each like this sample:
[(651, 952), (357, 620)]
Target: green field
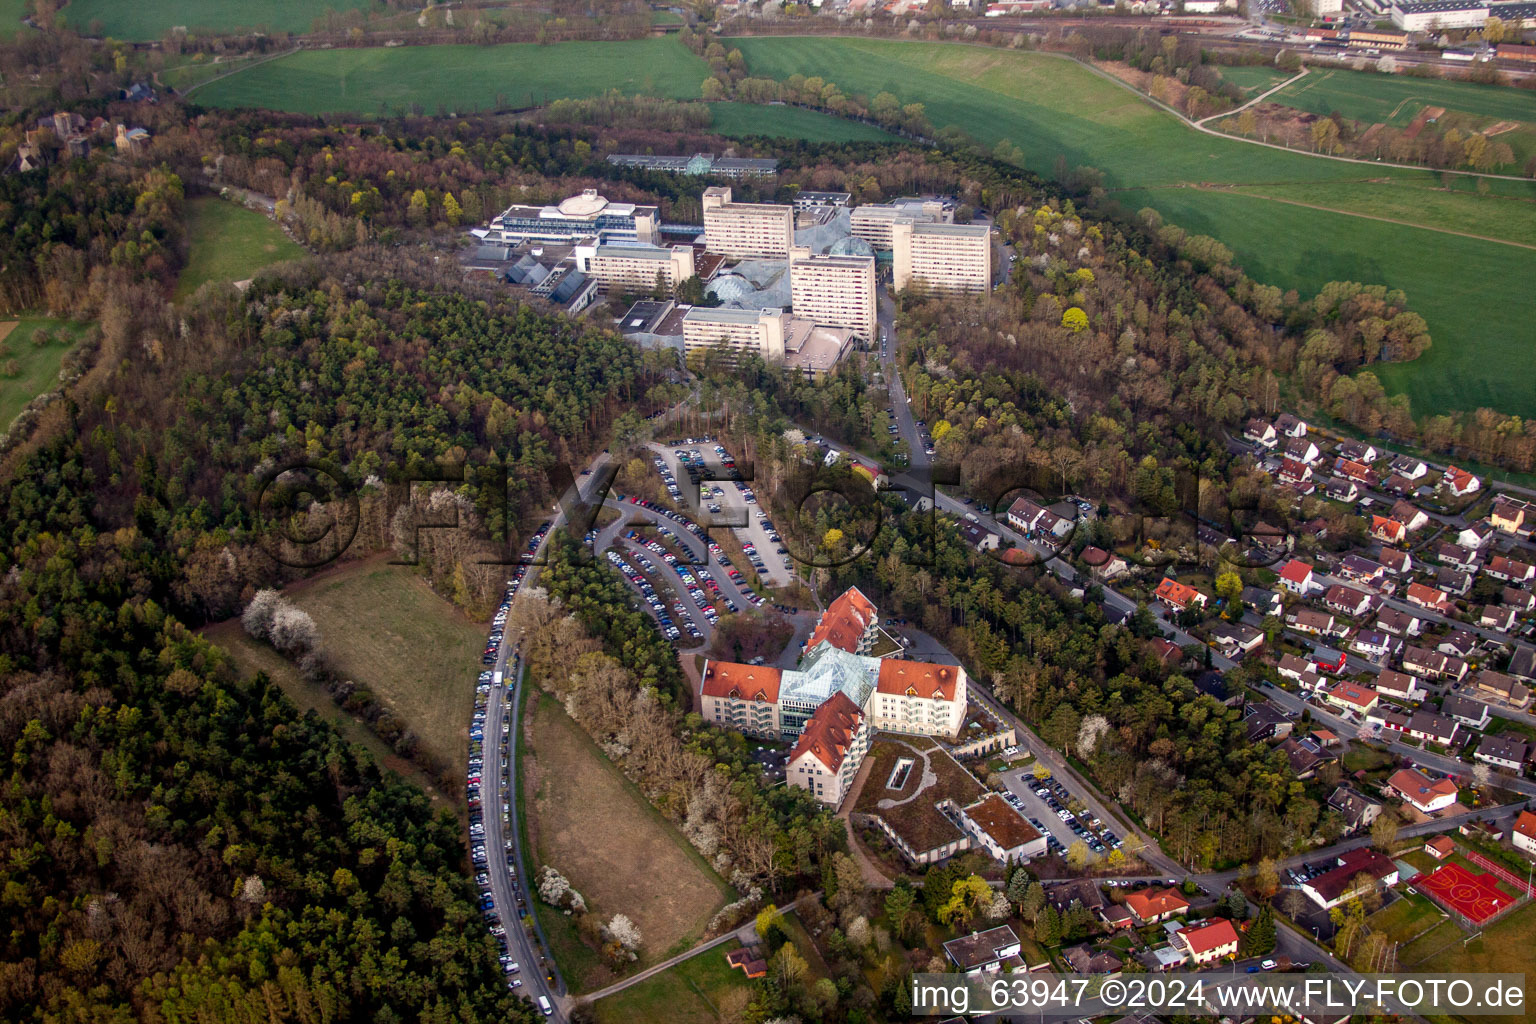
[(1395, 99), (1054, 108), (736, 119), (666, 18), (1254, 78), (690, 993), (11, 12), (461, 79), (152, 19), (37, 369), (229, 243), (187, 73)]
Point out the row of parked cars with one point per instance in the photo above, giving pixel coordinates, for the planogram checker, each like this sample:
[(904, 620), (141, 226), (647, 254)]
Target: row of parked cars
[(669, 629), (1086, 825), (715, 551)]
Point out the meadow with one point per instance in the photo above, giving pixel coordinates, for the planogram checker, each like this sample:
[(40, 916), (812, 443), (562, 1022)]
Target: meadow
[(229, 243), (692, 992), (638, 864), (1472, 291), (739, 119), (1254, 78), (459, 79), (37, 367), (151, 19), (1394, 99)]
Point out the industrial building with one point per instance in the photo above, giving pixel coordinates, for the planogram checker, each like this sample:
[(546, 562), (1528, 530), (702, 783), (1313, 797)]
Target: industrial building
[(746, 230), (838, 291), (1435, 15), (945, 258), (583, 216), (635, 267)]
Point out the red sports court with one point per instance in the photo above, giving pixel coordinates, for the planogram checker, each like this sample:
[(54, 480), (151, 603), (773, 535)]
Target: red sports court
[(1475, 897)]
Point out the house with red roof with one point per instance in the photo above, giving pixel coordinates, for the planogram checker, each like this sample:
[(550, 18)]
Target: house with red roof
[(1153, 905), (1388, 531), (849, 623), (1347, 601), (741, 697), (1351, 697), (1430, 598), (1501, 567), (1208, 941), (1420, 793), (1461, 483), (829, 751), (1178, 596), (1439, 847), (1296, 576), (1523, 835)]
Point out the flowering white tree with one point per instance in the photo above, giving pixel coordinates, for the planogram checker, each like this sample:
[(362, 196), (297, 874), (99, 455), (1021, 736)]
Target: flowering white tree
[(257, 617), (625, 932)]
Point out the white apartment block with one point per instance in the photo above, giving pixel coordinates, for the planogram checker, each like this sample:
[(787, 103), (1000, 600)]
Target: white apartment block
[(736, 332), (828, 753), (941, 257), (636, 268), (746, 230), (873, 222), (918, 698), (838, 291), (1438, 15)]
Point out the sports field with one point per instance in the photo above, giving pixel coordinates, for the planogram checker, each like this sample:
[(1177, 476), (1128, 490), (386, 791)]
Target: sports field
[(636, 864), (460, 79), (152, 19), (1052, 108), (36, 368), (229, 243), (737, 119)]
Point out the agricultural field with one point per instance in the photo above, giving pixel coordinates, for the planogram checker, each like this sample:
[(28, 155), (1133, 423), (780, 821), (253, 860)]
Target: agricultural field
[(1052, 108), (229, 243), (737, 119), (638, 864), (36, 368), (461, 79), (1254, 78), (145, 20), (695, 991)]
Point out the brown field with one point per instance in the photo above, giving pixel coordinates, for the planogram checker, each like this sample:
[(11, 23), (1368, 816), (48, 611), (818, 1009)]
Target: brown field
[(596, 828), (6, 327)]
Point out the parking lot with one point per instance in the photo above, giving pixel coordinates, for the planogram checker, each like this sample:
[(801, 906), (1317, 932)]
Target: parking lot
[(1049, 813), (732, 500)]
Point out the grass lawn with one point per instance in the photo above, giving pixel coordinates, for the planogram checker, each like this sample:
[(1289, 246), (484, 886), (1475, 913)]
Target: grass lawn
[(1056, 108), (738, 119), (1407, 918), (1504, 947), (229, 243), (1359, 756), (635, 864), (666, 18), (383, 627), (152, 19), (1395, 99), (1254, 78), (250, 656), (11, 12), (37, 368), (689, 993), (188, 72), (459, 78)]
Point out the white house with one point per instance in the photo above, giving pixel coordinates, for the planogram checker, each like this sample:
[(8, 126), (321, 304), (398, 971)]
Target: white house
[(1297, 577), (1523, 835), (1208, 941), (1420, 793)]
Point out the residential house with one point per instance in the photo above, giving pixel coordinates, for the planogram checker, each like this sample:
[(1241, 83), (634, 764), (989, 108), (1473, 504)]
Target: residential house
[(1265, 722), (1311, 620), (1509, 570), (1503, 688), (1349, 696), (1305, 755), (1476, 537), (1001, 830), (1166, 651), (1084, 961), (1357, 810), (1456, 555), (1260, 432), (1496, 616), (1428, 726), (1389, 719), (1104, 565), (1292, 667), (1359, 451), (1375, 644), (1300, 449), (1522, 601), (827, 756), (1522, 664), (1357, 473), (1410, 515), (1458, 642), (1399, 622), (983, 952), (1023, 514), (1453, 581), (1504, 752), (1287, 425), (1153, 905), (1523, 835), (1177, 596), (1509, 515), (1207, 941), (1430, 599), (1409, 468), (1423, 662), (1397, 562), (1343, 489), (1326, 659), (981, 538), (1347, 601), (1344, 882), (1397, 484), (1117, 916), (1471, 713), (1359, 569), (1263, 602), (1237, 638), (1400, 685), (1420, 792), (1086, 891), (1388, 531), (1297, 474), (1297, 577), (1460, 483), (1439, 847)]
